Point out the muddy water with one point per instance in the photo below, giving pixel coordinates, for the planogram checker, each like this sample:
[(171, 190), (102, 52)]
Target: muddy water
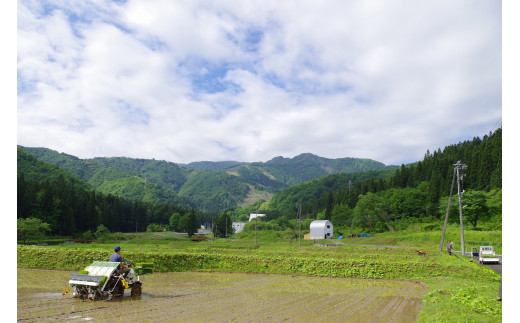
[(223, 297)]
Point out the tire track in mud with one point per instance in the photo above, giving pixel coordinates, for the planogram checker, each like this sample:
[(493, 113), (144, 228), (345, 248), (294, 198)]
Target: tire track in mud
[(256, 299), (240, 295), (407, 306), (355, 304), (320, 301), (303, 298), (395, 302), (225, 297), (367, 302)]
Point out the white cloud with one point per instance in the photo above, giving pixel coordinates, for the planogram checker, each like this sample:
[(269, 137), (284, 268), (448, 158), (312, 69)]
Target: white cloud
[(197, 80)]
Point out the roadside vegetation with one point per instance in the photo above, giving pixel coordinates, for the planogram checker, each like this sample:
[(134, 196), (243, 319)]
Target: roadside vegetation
[(457, 286)]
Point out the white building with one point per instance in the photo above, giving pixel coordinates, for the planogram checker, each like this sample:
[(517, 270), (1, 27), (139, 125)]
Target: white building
[(321, 229), (238, 226), (252, 216)]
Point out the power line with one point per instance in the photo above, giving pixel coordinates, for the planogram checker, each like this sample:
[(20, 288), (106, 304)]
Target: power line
[(496, 125), (457, 172)]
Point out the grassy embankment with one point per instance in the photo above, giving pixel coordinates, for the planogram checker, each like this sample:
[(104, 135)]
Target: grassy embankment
[(457, 287)]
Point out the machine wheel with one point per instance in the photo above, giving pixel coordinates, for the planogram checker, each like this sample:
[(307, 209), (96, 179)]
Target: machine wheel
[(119, 290), (91, 295), (136, 289)]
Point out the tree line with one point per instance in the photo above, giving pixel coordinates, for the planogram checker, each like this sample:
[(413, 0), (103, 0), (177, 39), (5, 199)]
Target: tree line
[(70, 210), (414, 192)]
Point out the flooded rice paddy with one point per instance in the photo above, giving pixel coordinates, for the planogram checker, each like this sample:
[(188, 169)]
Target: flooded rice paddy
[(223, 297)]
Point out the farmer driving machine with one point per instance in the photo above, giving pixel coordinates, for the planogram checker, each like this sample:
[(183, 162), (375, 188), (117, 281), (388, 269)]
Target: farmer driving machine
[(103, 280)]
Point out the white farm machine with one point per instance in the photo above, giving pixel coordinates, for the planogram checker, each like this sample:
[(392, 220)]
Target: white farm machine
[(102, 280), (487, 254)]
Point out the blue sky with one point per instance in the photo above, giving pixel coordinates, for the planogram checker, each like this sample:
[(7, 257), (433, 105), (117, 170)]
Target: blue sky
[(191, 80)]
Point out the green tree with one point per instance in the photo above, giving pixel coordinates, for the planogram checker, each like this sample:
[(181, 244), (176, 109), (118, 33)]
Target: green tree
[(330, 206), (88, 235), (453, 216), (192, 223), (101, 232), (223, 225), (174, 221), (306, 224), (341, 215), (494, 203), (31, 228), (183, 223), (369, 211), (474, 206), (154, 227), (321, 215), (282, 222), (405, 201)]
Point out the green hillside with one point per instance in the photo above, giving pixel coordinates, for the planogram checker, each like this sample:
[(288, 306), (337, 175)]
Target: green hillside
[(214, 190), (377, 201), (312, 192), (71, 208), (156, 171), (110, 180), (371, 201), (280, 172), (34, 170), (210, 165), (306, 167), (211, 186)]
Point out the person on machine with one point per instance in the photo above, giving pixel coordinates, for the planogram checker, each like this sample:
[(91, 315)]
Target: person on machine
[(116, 257)]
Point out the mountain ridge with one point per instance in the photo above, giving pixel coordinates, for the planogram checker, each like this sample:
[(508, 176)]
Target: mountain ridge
[(210, 186)]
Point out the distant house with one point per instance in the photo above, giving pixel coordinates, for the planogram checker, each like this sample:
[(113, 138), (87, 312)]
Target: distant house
[(321, 229), (252, 216), (238, 226)]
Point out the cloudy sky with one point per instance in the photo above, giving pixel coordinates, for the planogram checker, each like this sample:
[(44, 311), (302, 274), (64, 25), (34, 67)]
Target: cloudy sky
[(250, 80)]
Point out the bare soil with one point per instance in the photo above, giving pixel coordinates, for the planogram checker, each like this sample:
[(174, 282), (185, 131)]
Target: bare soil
[(224, 297)]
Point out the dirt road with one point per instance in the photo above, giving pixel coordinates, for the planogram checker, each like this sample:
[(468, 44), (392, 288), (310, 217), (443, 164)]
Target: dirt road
[(224, 297)]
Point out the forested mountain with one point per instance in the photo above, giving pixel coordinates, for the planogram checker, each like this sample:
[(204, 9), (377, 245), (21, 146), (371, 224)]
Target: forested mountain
[(211, 165), (121, 180), (213, 186), (156, 171), (71, 207), (413, 191), (281, 172), (311, 194), (131, 193), (35, 170), (306, 167), (214, 191)]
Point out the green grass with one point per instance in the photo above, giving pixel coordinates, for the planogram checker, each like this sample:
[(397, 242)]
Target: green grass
[(430, 240), (457, 287), (460, 300)]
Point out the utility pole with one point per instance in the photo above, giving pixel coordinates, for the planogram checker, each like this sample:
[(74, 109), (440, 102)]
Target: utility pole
[(448, 210), (457, 172), (215, 226), (256, 222), (299, 224), (459, 168)]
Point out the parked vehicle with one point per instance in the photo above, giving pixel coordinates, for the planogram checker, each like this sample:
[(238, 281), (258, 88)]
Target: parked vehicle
[(486, 254)]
